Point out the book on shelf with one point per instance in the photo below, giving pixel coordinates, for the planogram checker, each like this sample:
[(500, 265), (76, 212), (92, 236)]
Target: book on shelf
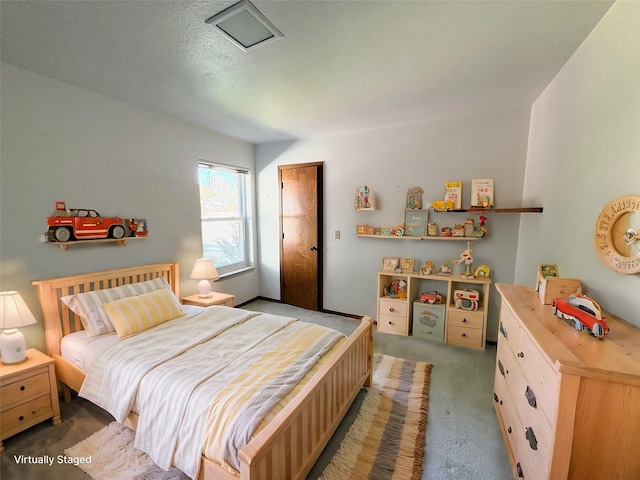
[(482, 192), (453, 192)]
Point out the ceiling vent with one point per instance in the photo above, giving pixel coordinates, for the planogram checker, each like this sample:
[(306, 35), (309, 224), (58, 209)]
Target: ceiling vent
[(245, 26)]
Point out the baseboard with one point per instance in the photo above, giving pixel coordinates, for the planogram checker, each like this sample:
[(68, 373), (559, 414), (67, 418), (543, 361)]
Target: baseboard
[(330, 312)]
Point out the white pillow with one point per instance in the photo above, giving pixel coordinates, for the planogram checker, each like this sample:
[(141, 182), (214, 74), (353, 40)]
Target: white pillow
[(88, 305)]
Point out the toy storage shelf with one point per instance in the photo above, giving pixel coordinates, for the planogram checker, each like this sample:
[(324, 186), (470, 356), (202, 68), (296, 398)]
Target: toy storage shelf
[(121, 241), (462, 327)]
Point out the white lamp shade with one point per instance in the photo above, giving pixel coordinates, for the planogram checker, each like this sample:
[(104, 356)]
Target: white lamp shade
[(204, 270), (14, 313)]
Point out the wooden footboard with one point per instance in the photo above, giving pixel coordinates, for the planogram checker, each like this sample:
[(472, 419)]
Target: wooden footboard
[(290, 444)]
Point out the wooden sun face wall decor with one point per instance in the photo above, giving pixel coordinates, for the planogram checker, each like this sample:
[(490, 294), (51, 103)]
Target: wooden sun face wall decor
[(617, 235)]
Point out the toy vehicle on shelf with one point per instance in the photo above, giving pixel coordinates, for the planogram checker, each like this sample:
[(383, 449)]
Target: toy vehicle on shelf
[(81, 223), (584, 312), (442, 206)]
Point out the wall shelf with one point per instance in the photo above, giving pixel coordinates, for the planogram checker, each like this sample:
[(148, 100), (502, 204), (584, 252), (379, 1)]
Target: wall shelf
[(408, 237), (121, 241), (493, 210)]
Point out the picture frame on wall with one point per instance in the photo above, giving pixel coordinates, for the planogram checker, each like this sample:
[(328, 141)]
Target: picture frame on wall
[(389, 264)]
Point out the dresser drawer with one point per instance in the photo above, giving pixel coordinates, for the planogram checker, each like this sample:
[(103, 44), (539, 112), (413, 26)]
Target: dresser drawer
[(507, 413), (24, 388), (508, 327), (464, 336), (462, 318), (23, 416), (393, 324), (540, 377), (393, 307)]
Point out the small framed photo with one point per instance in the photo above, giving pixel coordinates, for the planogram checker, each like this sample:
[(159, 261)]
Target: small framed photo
[(386, 231), (546, 270), (406, 265), (389, 264)]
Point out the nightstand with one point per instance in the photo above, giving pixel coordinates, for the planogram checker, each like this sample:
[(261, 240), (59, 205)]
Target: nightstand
[(215, 299), (28, 394)]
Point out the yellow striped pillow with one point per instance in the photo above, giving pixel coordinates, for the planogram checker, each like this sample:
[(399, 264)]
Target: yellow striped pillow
[(134, 314)]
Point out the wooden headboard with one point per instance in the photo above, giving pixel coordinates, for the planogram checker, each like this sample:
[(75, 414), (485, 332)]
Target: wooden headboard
[(60, 321)]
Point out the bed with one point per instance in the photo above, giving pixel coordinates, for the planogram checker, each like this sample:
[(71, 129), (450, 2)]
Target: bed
[(286, 447)]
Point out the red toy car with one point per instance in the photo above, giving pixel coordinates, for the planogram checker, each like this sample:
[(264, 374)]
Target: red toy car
[(81, 223), (584, 312)]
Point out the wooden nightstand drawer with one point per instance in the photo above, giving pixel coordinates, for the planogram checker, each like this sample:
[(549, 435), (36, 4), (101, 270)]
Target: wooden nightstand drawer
[(393, 324), (25, 388), (463, 318), (26, 415), (464, 336), (391, 307)]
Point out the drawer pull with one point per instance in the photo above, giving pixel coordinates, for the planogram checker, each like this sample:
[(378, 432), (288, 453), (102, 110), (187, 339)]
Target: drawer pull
[(501, 367), (521, 354), (503, 330), (463, 335), (519, 470), (509, 430), (22, 388), (495, 397), (21, 418), (531, 397), (391, 309), (464, 320), (531, 437)]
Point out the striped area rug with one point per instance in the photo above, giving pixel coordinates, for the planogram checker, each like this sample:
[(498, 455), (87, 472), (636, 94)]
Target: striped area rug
[(386, 440)]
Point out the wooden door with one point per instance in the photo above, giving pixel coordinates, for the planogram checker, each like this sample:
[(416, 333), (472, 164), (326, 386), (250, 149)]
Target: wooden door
[(301, 235)]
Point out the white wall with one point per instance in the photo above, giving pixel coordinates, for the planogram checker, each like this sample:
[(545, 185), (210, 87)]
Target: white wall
[(584, 151), (64, 143), (390, 161)]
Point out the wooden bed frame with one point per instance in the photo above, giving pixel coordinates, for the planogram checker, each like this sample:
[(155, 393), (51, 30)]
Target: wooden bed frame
[(288, 446)]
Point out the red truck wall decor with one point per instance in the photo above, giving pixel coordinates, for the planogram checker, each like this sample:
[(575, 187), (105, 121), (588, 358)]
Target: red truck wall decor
[(87, 224)]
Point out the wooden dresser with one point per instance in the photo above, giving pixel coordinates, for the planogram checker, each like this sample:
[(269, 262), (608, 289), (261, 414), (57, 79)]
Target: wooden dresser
[(567, 403)]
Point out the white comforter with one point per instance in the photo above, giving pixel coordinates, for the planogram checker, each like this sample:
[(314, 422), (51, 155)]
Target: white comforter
[(174, 371)]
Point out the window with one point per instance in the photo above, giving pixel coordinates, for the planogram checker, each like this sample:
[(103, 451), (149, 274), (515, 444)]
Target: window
[(225, 200)]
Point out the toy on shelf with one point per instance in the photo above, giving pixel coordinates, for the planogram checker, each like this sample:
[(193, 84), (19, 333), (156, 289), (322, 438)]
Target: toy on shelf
[(467, 299), (482, 272), (427, 268), (442, 206), (466, 257), (396, 289), (86, 224), (445, 269), (432, 298)]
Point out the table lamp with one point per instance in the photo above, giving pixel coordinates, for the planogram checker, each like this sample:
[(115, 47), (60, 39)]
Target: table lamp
[(14, 313), (204, 270)]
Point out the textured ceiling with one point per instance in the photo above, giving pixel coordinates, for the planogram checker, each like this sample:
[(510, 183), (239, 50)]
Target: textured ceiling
[(341, 66)]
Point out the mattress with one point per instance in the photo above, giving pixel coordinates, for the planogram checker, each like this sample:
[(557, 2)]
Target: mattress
[(76, 346)]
